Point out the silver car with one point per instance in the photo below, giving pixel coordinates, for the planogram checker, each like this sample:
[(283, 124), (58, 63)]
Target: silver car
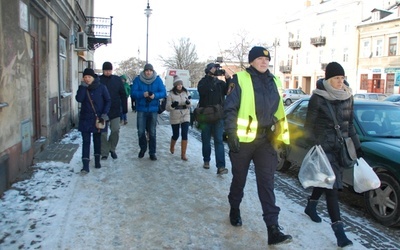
[(291, 95), (194, 101)]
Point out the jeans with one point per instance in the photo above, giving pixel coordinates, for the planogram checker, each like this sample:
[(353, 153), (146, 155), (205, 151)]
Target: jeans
[(86, 144), (110, 144), (147, 121), (216, 130)]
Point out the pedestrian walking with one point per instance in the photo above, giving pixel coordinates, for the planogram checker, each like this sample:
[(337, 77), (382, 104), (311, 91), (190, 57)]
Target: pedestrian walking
[(147, 90), (333, 90), (95, 102), (127, 87), (178, 104), (254, 121), (118, 100), (212, 91)]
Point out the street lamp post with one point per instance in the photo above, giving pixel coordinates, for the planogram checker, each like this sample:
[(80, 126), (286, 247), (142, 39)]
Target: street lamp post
[(275, 44), (147, 12)]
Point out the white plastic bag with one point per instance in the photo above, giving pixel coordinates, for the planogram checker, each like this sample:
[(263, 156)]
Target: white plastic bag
[(316, 170), (365, 178)]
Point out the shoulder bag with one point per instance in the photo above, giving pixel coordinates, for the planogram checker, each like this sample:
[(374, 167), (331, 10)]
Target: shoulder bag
[(348, 155), (209, 113), (100, 123)]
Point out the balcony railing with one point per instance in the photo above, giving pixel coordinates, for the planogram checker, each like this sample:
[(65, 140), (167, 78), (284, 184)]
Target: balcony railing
[(285, 69), (295, 45), (318, 41), (99, 31)]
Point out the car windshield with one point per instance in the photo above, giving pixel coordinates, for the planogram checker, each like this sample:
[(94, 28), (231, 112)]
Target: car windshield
[(378, 120), (194, 93)]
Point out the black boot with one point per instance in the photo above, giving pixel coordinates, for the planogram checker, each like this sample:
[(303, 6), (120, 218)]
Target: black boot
[(234, 216), (85, 168), (275, 236), (97, 161), (341, 237), (311, 210)]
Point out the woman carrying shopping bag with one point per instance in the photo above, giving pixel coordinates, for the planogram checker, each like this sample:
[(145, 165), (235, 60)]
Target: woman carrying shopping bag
[(320, 130)]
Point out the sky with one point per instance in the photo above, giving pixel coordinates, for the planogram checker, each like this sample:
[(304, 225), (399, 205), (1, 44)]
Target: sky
[(210, 25), (133, 203)]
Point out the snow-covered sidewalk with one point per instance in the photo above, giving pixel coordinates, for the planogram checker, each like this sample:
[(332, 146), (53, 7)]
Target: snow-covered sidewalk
[(133, 203)]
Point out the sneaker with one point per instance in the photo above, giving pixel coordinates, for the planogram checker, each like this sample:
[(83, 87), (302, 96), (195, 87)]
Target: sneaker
[(222, 170), (104, 157), (141, 154), (206, 165), (113, 155), (153, 157), (84, 171)]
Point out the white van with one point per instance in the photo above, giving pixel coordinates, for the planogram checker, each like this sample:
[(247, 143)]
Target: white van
[(169, 78)]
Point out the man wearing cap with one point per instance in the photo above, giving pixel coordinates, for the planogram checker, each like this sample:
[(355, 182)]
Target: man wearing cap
[(147, 90), (118, 99), (254, 120), (212, 91)]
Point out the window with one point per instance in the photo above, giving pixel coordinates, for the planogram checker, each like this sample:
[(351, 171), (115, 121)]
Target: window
[(392, 46), (63, 64), (378, 47), (366, 50), (333, 28), (345, 55)]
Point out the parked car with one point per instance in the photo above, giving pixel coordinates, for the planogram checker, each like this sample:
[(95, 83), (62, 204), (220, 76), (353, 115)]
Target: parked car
[(395, 98), (194, 101), (378, 127), (370, 96), (291, 95)]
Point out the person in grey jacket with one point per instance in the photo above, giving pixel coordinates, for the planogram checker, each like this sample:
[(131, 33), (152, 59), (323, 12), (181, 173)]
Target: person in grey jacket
[(320, 130), (178, 105)]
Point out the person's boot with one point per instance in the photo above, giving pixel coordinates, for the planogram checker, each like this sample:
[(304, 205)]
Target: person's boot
[(85, 169), (275, 236), (172, 146), (97, 161), (342, 240), (183, 150), (234, 217), (311, 210)]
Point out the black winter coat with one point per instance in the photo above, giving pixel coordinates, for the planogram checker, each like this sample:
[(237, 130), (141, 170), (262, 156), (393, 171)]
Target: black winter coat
[(319, 127), (101, 102), (117, 93), (212, 91)]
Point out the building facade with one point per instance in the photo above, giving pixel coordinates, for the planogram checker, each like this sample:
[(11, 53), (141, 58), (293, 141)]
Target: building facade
[(44, 47)]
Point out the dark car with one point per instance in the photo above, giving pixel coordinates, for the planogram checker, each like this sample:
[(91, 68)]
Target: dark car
[(378, 127), (395, 98)]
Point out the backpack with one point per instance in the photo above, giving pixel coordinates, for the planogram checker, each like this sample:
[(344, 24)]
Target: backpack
[(161, 105)]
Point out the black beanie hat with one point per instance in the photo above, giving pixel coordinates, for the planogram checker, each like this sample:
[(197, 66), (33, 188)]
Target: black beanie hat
[(89, 72), (148, 67), (333, 69), (258, 51), (209, 67), (107, 66)]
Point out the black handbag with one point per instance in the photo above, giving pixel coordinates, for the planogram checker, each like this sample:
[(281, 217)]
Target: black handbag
[(208, 114), (348, 155)]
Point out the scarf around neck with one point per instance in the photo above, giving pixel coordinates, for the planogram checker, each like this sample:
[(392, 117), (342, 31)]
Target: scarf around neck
[(147, 80), (332, 94)]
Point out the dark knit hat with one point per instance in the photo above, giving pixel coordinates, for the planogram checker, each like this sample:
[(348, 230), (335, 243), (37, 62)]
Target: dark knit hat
[(107, 66), (209, 67), (177, 80), (258, 51), (333, 69), (89, 72), (148, 66)]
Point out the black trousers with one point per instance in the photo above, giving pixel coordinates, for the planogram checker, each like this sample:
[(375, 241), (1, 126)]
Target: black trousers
[(332, 201), (265, 160)]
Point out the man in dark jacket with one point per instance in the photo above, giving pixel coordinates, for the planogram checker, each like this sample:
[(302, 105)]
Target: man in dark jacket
[(212, 91), (118, 99)]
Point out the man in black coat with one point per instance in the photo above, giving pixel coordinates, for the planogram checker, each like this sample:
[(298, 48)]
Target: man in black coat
[(118, 99)]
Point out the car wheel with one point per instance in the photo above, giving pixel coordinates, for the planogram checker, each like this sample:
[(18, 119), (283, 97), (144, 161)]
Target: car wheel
[(383, 203), (288, 102), (283, 164)]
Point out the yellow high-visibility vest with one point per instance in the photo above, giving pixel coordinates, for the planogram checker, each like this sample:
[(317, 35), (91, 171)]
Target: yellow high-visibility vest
[(247, 123)]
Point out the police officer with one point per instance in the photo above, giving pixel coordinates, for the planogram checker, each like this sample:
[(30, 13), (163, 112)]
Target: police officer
[(254, 120)]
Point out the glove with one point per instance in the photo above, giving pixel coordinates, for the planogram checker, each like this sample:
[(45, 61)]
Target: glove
[(359, 152), (189, 97), (233, 143), (150, 93), (174, 104), (187, 102), (105, 117)]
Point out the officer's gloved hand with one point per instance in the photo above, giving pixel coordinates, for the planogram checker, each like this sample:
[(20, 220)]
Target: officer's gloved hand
[(233, 142), (359, 152), (175, 104)]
